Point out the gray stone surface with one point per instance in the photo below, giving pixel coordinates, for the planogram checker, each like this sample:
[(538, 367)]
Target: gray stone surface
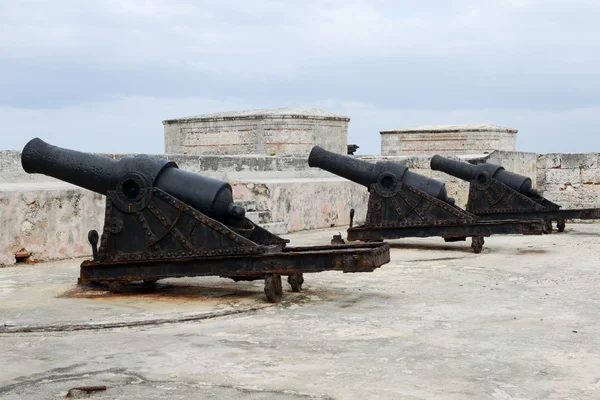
[(282, 131), (519, 321), (306, 203), (50, 220), (285, 112), (448, 139), (571, 180)]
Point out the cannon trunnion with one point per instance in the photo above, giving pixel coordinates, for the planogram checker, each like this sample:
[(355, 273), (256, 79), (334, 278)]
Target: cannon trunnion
[(162, 222), (496, 194), (405, 204)]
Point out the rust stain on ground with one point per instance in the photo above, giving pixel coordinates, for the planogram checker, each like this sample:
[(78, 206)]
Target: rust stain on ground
[(532, 251), (166, 293)]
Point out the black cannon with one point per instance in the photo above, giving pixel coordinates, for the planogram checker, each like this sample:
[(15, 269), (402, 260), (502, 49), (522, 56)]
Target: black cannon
[(496, 194), (162, 222), (352, 149), (386, 173), (406, 204)]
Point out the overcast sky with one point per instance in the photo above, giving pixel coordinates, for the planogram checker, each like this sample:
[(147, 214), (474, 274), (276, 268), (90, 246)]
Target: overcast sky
[(101, 75)]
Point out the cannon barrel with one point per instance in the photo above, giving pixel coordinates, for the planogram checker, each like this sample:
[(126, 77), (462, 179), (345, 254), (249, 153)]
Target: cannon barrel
[(88, 171), (130, 175), (366, 173), (353, 169), (470, 172)]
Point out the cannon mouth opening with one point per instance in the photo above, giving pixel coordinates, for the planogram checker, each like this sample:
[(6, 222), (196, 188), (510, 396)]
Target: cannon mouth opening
[(131, 189), (482, 177), (237, 212), (388, 182)]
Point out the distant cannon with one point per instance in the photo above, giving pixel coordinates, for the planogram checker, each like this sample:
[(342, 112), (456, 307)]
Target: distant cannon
[(385, 173), (405, 204), (497, 194), (352, 149), (482, 172), (162, 222)]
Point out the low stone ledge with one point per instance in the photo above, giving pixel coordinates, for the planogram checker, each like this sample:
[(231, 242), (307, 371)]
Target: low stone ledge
[(47, 220)]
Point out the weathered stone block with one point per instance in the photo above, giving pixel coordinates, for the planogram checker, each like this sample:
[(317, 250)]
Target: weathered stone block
[(48, 220), (579, 160), (189, 163), (548, 161), (318, 203), (590, 176), (563, 176), (306, 203), (580, 194), (257, 192)]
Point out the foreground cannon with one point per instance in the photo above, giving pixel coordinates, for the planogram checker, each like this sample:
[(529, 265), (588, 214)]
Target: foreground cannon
[(496, 194), (405, 204), (162, 222)]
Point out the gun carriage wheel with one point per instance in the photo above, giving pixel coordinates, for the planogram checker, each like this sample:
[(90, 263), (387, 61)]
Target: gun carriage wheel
[(273, 288), (116, 287), (477, 243), (548, 226), (296, 281)]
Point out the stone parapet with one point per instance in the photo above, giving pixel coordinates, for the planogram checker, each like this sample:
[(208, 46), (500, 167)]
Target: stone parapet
[(220, 167), (307, 203), (570, 179), (47, 220)]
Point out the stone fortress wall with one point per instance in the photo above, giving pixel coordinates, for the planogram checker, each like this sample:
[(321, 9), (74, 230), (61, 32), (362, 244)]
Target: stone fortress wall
[(48, 219)]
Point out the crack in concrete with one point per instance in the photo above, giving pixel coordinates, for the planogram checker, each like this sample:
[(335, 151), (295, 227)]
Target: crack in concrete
[(57, 375), (125, 324), (249, 390), (54, 375), (438, 259)]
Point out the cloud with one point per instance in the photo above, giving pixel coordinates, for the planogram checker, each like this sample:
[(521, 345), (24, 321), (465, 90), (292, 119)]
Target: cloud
[(133, 124), (498, 61), (540, 131), (121, 125)]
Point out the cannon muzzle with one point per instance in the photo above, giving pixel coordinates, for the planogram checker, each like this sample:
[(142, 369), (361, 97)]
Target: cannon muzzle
[(129, 176), (88, 171), (482, 172), (366, 173), (353, 169)]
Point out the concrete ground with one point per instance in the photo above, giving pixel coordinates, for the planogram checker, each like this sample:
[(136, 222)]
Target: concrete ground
[(519, 321)]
